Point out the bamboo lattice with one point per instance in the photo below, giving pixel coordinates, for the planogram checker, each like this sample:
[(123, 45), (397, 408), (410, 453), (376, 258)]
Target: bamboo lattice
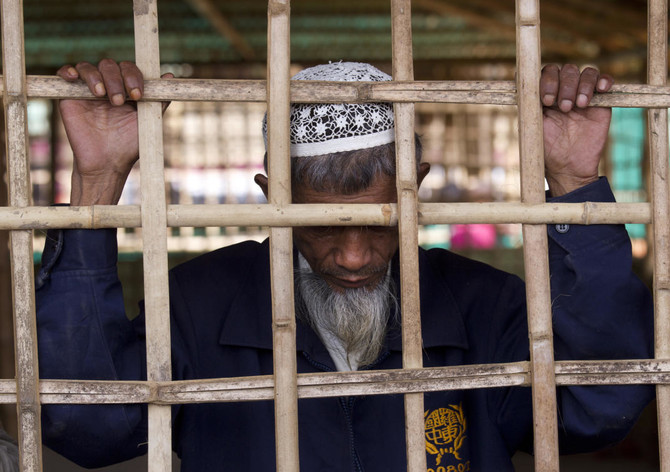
[(285, 387)]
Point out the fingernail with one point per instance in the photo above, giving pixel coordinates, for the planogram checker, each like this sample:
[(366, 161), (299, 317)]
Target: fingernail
[(117, 99), (566, 105), (582, 100), (72, 71), (99, 88), (135, 94), (602, 84), (548, 99)]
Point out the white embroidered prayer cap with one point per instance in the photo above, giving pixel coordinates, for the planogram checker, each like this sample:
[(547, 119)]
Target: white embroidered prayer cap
[(324, 128)]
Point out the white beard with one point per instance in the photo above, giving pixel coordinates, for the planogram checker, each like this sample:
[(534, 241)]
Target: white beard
[(353, 322)]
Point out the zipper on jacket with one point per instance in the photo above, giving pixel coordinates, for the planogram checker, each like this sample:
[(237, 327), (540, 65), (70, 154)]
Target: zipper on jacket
[(346, 403)]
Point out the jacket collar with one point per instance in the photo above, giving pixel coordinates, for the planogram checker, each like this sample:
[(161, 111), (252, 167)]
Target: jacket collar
[(441, 319), (249, 319)]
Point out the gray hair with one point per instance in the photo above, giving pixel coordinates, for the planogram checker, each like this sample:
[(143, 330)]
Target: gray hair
[(346, 172)]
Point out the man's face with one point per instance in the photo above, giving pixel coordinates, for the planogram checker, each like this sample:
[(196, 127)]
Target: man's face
[(348, 256)]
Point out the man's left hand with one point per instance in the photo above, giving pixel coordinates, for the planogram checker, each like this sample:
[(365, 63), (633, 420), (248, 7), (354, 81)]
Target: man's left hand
[(574, 135)]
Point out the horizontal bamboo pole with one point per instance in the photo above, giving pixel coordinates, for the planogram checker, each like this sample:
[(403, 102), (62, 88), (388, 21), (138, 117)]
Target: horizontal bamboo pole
[(319, 385), (534, 213), (128, 216), (474, 92)]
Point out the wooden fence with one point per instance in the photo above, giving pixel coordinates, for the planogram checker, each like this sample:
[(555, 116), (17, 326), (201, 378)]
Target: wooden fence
[(285, 386)]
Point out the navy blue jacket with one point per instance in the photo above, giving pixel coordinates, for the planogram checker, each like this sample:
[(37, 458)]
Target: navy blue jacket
[(221, 327)]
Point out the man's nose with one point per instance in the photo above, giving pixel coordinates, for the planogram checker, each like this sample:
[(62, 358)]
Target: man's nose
[(354, 249)]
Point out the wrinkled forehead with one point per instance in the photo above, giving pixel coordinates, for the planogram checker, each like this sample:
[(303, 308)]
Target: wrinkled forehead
[(382, 189)]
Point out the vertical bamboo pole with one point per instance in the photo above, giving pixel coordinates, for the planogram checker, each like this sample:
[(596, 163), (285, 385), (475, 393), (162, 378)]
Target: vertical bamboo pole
[(154, 234), (21, 244), (535, 242), (281, 240), (406, 183), (7, 412), (658, 147)]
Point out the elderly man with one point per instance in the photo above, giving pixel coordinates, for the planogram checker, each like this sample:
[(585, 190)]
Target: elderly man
[(347, 310)]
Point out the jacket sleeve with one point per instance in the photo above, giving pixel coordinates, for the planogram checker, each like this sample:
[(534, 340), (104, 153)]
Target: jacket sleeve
[(83, 333), (601, 310)]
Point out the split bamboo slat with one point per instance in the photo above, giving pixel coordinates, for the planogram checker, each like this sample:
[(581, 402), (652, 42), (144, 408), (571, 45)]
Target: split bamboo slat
[(657, 64), (535, 247), (154, 235), (21, 246), (281, 238), (407, 191)]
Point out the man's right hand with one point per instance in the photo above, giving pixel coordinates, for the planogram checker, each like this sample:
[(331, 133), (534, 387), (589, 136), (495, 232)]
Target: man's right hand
[(102, 133)]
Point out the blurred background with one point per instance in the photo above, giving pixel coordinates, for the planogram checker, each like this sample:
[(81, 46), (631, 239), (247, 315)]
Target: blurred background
[(213, 150)]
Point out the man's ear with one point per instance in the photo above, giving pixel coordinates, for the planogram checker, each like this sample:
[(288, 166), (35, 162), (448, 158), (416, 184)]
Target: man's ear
[(262, 182), (424, 168)]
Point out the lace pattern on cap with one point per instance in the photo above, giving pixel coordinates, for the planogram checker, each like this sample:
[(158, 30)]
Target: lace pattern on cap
[(324, 128)]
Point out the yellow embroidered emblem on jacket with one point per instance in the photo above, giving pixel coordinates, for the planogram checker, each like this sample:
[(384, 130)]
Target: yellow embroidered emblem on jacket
[(445, 431)]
